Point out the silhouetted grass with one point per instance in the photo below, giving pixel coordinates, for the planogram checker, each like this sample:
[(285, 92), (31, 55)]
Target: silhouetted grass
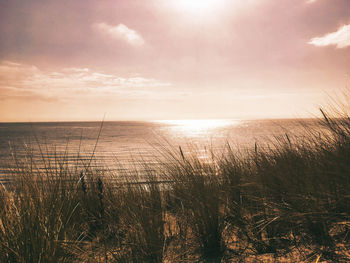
[(290, 200), (196, 202)]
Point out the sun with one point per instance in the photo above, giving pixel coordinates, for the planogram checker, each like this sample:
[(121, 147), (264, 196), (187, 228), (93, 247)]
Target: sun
[(198, 7)]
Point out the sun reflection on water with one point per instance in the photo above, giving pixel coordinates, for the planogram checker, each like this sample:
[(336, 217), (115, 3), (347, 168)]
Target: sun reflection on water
[(193, 128)]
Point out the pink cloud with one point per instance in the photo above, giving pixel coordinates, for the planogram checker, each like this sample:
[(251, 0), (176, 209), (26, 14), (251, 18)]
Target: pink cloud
[(70, 82), (340, 38), (120, 32)]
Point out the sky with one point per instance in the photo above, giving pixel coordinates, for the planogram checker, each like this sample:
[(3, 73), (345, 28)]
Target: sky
[(171, 59)]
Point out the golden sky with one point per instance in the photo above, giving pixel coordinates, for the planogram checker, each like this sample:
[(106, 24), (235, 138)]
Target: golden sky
[(170, 59)]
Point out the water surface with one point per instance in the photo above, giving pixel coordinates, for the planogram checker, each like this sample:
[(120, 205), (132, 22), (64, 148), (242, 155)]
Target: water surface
[(122, 144)]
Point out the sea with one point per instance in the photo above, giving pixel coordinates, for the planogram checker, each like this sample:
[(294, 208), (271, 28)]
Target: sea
[(125, 146)]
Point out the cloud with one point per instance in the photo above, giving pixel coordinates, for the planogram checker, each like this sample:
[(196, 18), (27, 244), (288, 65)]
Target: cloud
[(70, 83), (121, 32), (340, 38), (311, 1)]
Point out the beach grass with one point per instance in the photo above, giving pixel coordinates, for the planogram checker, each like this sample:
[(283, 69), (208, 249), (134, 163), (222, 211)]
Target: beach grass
[(289, 201)]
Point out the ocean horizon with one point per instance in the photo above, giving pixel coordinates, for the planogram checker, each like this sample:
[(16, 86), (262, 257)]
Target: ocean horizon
[(122, 146)]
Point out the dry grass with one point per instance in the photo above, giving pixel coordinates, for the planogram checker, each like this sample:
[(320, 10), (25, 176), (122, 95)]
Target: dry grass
[(289, 202)]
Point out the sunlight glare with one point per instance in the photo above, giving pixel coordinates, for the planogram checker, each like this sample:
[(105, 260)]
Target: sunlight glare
[(198, 7), (195, 127), (194, 5)]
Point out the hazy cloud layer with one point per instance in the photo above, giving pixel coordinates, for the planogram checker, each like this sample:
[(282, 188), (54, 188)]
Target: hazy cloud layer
[(121, 32), (340, 38), (16, 78)]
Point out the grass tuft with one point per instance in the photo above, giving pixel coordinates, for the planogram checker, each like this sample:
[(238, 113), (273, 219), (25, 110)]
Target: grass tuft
[(289, 201)]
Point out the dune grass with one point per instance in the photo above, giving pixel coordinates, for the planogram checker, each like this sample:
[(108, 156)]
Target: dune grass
[(290, 201)]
